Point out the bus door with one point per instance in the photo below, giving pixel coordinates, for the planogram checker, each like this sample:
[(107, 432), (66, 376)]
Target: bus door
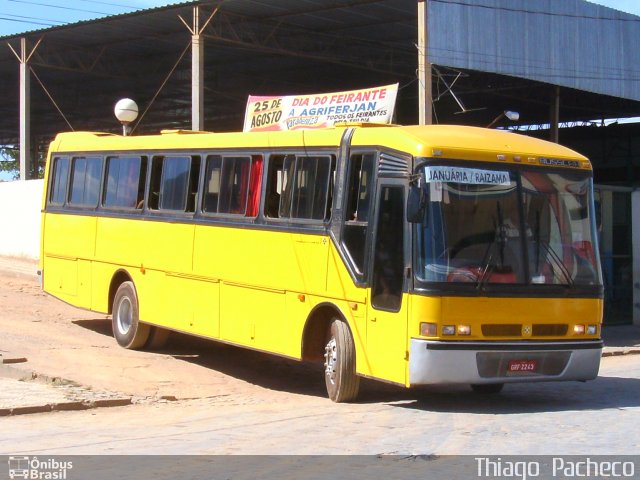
[(387, 309)]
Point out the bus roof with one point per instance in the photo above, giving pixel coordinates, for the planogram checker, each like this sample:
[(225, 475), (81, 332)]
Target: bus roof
[(468, 143), (446, 141)]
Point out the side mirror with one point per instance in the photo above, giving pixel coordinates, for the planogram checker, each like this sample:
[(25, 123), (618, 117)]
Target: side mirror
[(416, 203)]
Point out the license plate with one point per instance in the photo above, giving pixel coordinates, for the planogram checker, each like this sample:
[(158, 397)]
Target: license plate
[(516, 366)]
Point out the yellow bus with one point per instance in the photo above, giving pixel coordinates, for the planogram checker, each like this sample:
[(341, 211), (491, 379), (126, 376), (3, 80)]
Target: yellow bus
[(409, 254)]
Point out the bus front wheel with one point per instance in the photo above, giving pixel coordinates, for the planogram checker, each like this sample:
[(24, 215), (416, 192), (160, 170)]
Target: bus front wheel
[(340, 364), (127, 329)]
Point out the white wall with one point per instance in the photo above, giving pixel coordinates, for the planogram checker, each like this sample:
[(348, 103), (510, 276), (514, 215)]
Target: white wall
[(20, 204)]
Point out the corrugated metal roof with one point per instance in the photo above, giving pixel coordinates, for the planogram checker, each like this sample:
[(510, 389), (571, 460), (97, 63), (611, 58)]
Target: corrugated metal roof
[(572, 43), (509, 52)]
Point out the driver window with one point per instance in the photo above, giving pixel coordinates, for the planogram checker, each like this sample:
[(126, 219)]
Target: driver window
[(388, 261)]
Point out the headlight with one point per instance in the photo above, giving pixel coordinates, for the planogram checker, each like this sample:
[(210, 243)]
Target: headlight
[(449, 330), (428, 329), (464, 330)]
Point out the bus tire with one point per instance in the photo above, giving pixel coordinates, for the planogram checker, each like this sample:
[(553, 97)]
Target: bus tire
[(487, 388), (340, 364), (127, 329), (158, 338)]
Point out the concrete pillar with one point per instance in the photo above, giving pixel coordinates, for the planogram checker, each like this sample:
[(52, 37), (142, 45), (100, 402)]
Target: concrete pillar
[(25, 113), (425, 102), (197, 74)]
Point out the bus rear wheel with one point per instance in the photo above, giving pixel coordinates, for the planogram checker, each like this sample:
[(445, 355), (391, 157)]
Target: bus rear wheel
[(340, 364), (127, 329), (487, 388)]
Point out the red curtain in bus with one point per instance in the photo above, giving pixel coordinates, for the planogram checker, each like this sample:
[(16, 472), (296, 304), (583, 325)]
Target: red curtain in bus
[(254, 186)]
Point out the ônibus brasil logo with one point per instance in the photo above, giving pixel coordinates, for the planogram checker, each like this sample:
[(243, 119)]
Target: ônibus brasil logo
[(38, 469)]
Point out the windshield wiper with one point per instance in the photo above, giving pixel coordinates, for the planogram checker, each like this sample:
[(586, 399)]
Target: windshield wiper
[(555, 258), (499, 238), (557, 261)]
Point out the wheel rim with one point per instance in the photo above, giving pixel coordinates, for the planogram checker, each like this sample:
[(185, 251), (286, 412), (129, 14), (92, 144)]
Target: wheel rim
[(124, 316), (330, 360)]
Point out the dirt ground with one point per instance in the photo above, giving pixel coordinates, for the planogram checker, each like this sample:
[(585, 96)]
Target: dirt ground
[(59, 340)]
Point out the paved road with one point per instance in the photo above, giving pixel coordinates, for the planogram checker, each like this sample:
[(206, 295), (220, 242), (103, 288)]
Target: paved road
[(600, 417), (233, 401)]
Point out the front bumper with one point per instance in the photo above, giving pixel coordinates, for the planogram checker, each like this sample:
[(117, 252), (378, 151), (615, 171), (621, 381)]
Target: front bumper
[(432, 362)]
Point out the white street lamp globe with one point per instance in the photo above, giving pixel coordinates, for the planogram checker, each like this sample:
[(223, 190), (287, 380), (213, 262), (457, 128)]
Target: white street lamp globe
[(126, 111)]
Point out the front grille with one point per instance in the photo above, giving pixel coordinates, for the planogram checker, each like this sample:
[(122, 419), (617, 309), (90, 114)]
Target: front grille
[(509, 330), (550, 330), (515, 330)]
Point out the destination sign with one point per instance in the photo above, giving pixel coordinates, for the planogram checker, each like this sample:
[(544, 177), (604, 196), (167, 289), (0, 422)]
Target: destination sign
[(470, 176)]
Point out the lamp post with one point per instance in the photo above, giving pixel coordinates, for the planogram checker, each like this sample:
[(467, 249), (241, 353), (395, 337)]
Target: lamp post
[(126, 111), (513, 116)]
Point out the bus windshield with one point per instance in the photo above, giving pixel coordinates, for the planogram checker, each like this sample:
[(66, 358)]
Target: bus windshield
[(487, 226)]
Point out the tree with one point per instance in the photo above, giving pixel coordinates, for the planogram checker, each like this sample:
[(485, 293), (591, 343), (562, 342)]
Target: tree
[(10, 162)]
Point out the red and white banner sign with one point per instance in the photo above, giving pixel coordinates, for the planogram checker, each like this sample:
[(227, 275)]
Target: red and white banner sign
[(293, 112)]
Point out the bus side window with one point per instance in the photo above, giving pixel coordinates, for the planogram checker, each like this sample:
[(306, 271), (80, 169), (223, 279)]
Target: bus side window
[(173, 183), (59, 179), (194, 181), (212, 184), (227, 182), (124, 182), (276, 182), (311, 187), (85, 181), (299, 187), (357, 208)]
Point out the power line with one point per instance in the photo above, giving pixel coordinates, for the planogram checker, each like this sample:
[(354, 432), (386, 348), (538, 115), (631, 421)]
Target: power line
[(59, 6), (29, 19), (27, 22), (128, 7)]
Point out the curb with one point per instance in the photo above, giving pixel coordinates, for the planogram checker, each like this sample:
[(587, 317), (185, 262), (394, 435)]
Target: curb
[(73, 404), (621, 352), (66, 406)]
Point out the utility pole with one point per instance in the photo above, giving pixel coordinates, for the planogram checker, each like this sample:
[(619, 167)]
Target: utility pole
[(425, 107)]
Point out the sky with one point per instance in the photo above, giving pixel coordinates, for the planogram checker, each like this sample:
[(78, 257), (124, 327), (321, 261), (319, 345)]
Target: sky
[(17, 16)]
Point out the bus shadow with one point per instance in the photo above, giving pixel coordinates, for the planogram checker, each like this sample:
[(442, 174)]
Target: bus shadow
[(600, 394), (98, 325), (261, 369), (282, 374)]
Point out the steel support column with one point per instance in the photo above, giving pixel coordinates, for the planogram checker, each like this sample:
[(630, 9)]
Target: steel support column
[(425, 106), (555, 116)]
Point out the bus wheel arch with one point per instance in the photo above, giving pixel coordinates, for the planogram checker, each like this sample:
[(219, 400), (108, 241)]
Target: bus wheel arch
[(118, 279), (328, 334), (315, 331)]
